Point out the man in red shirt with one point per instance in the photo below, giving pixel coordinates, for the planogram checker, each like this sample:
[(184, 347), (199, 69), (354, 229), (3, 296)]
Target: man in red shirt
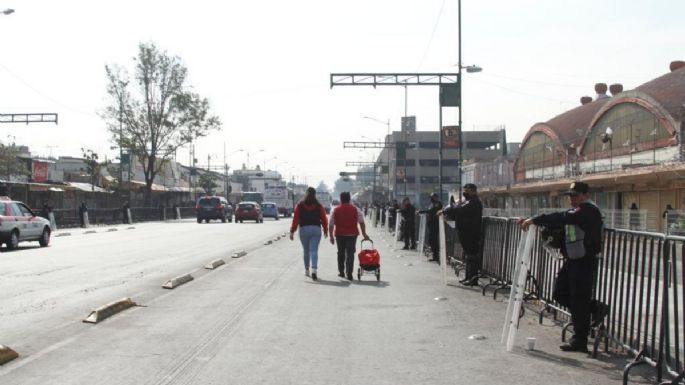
[(345, 222)]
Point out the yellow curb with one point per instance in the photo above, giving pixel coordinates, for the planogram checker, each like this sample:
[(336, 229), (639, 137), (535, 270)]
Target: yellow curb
[(178, 281), (214, 264), (7, 354), (109, 310)]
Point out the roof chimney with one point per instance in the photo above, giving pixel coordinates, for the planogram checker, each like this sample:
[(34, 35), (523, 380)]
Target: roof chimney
[(676, 65), (615, 89), (601, 90), (585, 100)]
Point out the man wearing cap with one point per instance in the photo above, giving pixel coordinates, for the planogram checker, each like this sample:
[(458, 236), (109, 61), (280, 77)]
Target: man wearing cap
[(433, 226), (582, 242), (468, 215)]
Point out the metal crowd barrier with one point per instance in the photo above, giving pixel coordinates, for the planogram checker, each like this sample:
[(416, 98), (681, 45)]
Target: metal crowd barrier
[(639, 289), (70, 217)]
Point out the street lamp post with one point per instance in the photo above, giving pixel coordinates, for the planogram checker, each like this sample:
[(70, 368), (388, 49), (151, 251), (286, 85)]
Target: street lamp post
[(469, 69)]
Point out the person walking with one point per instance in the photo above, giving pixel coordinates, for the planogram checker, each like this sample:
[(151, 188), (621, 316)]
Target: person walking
[(468, 215), (582, 243), (346, 221), (310, 216), (408, 213), (433, 226)]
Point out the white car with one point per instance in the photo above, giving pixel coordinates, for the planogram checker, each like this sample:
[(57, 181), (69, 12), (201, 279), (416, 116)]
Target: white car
[(18, 224)]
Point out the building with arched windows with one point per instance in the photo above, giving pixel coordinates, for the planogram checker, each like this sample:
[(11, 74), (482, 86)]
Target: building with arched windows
[(626, 144)]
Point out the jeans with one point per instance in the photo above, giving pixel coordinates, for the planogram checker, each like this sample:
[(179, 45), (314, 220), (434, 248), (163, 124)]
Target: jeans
[(346, 248), (310, 236)]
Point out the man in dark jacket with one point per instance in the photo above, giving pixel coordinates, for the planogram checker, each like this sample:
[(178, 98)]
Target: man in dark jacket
[(433, 226), (408, 228), (582, 244), (468, 215)]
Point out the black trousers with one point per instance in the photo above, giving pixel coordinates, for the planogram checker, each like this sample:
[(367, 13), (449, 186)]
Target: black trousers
[(346, 249), (408, 235), (434, 241), (472, 264), (573, 289)]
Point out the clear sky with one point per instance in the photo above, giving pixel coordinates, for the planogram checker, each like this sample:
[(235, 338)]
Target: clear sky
[(265, 66)]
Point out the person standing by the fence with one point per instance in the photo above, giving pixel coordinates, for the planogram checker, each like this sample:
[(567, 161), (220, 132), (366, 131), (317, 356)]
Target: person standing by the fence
[(346, 221), (124, 213), (671, 217), (582, 243), (433, 226), (310, 216), (408, 213), (468, 215), (634, 217), (82, 212), (392, 215)]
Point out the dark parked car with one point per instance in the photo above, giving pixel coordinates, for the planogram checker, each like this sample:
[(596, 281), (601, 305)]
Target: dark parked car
[(213, 207), (249, 211), (269, 210)]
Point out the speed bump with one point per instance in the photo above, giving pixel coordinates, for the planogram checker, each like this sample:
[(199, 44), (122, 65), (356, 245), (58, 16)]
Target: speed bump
[(178, 281), (109, 310), (239, 254), (214, 264), (7, 354)]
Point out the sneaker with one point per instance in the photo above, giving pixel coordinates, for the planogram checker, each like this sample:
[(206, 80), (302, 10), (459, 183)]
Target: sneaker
[(349, 277), (306, 272), (341, 275), (314, 274)]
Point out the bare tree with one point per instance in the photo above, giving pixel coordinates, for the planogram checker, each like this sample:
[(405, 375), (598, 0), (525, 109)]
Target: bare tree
[(155, 113)]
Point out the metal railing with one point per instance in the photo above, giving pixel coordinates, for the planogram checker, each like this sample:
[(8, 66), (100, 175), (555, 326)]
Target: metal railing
[(639, 289)]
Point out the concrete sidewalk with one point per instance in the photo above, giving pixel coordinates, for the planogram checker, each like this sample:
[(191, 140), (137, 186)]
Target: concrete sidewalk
[(462, 312)]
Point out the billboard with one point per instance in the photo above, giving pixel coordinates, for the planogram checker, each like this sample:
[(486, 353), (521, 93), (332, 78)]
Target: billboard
[(450, 137), (40, 171)]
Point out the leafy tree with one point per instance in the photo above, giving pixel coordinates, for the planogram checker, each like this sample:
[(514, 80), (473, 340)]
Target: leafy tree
[(9, 163), (155, 112), (93, 165), (206, 181)]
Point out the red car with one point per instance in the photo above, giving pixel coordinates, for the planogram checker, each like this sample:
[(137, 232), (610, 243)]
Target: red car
[(249, 211)]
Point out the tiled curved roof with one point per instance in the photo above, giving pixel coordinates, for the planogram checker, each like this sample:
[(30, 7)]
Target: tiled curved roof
[(566, 124), (668, 90)]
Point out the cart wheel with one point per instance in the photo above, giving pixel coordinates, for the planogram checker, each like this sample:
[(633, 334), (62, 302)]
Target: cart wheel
[(359, 273), (378, 274)]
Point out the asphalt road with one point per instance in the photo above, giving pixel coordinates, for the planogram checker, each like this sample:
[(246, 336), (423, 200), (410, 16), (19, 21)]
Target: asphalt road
[(257, 319)]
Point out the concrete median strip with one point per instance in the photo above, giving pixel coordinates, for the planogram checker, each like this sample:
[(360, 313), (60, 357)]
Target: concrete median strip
[(239, 254), (178, 281), (109, 310), (214, 264), (7, 354)]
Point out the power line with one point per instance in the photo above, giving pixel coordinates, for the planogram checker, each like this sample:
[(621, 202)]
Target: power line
[(430, 41)]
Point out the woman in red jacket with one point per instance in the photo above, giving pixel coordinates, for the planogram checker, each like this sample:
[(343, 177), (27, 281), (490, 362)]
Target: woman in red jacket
[(310, 216)]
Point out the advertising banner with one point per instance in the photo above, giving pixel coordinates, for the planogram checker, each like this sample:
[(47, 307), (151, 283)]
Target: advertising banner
[(40, 171), (450, 137)]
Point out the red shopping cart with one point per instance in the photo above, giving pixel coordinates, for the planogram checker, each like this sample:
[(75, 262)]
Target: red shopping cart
[(369, 260)]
